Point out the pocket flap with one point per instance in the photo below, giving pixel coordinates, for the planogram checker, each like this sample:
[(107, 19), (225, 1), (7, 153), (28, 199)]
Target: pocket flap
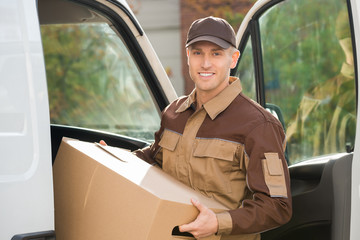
[(274, 164), (169, 140), (215, 148)]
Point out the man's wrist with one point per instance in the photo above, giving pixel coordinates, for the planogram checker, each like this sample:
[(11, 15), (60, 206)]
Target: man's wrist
[(224, 223)]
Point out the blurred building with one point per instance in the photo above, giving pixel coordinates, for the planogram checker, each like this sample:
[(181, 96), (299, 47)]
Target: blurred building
[(160, 20)]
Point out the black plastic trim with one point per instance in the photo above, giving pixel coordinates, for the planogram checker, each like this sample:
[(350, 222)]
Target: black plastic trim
[(45, 235), (264, 8), (354, 49), (258, 61), (90, 135), (126, 11)]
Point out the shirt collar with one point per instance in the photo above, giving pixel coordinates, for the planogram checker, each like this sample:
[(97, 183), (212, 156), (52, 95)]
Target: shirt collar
[(191, 99), (217, 104)]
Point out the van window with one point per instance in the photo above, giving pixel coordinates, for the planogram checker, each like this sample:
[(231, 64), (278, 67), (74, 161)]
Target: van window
[(94, 82), (308, 72)]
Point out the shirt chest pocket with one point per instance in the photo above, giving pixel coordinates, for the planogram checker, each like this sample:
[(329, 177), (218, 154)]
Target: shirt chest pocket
[(169, 142), (212, 164), (217, 149)]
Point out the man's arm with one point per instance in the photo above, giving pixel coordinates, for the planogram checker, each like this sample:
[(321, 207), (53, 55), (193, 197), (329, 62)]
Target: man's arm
[(268, 181), (153, 153)]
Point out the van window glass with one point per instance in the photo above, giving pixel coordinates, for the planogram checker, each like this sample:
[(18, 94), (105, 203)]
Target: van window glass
[(245, 71), (309, 73), (94, 82)]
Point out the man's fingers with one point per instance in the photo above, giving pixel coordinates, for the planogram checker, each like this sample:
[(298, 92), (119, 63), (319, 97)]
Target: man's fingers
[(185, 228), (198, 204), (190, 227), (102, 142), (205, 223)]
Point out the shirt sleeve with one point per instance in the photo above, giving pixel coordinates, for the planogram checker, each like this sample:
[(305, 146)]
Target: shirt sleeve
[(224, 223), (267, 177), (152, 154)]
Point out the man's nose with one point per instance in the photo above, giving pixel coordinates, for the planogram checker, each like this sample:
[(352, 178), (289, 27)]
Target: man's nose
[(206, 62)]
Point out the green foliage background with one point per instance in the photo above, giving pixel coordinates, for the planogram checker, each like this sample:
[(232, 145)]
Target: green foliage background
[(94, 83)]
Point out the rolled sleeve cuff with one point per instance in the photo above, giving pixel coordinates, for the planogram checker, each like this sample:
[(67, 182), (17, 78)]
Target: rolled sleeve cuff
[(225, 223)]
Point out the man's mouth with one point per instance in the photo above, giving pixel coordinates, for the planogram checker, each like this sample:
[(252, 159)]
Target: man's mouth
[(206, 74)]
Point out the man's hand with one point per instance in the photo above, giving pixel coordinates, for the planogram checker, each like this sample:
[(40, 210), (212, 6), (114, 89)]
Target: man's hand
[(102, 142), (204, 225)]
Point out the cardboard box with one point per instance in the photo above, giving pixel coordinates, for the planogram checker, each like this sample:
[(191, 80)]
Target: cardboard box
[(99, 195)]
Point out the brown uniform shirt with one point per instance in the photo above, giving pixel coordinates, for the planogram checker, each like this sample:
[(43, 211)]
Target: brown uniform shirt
[(230, 150)]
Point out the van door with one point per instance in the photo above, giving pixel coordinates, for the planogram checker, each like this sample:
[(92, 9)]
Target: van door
[(103, 81), (298, 60), (355, 177), (26, 195)]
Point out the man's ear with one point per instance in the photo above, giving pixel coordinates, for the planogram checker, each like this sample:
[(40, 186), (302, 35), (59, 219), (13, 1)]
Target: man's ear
[(235, 57), (187, 54)]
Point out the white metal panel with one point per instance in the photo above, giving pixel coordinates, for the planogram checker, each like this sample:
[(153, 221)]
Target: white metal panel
[(355, 176), (26, 200)]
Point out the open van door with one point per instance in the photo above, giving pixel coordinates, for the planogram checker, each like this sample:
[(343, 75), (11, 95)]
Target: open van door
[(299, 60), (90, 65), (355, 176)]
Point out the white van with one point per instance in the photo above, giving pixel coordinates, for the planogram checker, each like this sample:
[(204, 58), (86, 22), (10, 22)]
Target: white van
[(85, 69)]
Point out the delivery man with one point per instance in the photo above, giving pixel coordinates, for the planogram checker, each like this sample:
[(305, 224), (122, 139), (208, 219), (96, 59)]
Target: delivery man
[(222, 144)]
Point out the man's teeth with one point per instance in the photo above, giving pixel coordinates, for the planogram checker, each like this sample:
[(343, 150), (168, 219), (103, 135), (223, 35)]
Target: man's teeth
[(206, 74)]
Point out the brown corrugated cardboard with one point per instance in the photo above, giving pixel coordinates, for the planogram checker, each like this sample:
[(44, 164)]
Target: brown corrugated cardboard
[(98, 196)]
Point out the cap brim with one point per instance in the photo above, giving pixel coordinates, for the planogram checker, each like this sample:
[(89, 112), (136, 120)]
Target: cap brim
[(218, 41)]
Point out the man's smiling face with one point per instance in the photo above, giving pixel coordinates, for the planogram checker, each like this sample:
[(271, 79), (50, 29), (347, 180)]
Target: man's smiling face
[(209, 66)]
